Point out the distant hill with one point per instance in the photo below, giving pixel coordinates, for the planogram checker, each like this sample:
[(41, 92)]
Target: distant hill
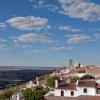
[(27, 67)]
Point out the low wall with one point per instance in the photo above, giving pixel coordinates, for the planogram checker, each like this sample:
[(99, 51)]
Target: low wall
[(60, 98), (73, 98)]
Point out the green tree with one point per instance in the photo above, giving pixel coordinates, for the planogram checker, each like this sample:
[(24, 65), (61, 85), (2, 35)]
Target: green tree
[(74, 79), (51, 81), (87, 77), (28, 94), (36, 93), (39, 92), (6, 95)]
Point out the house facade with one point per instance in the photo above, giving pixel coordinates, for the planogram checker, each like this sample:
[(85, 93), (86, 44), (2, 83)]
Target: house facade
[(17, 96), (84, 87)]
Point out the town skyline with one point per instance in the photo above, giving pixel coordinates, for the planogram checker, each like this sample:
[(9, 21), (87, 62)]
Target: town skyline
[(49, 32)]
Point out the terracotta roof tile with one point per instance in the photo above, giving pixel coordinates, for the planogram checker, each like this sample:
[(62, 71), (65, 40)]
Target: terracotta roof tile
[(87, 83), (68, 87), (98, 86)]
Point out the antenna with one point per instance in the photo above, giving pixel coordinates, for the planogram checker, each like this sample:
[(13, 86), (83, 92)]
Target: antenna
[(70, 63)]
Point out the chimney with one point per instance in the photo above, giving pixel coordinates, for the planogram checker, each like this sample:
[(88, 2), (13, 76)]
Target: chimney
[(56, 83), (77, 82), (68, 81), (37, 80), (61, 78)]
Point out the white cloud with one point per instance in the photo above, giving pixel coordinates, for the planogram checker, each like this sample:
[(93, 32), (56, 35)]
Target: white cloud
[(3, 25), (28, 23), (59, 49), (42, 4), (33, 38), (97, 36), (2, 40), (51, 7), (81, 9), (2, 44), (79, 38), (37, 51), (39, 4), (69, 28)]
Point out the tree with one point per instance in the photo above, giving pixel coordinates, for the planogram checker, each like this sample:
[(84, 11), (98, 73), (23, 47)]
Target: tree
[(51, 81), (39, 93), (86, 77), (6, 95), (28, 94), (74, 79), (36, 93)]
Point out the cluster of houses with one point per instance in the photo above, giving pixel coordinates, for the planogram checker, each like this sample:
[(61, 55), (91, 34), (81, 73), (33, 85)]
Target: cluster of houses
[(63, 87), (82, 88)]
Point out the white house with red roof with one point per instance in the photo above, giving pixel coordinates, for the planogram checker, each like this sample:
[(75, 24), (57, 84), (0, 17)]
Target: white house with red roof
[(83, 87)]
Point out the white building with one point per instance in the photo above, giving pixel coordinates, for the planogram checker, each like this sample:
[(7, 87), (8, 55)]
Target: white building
[(17, 96), (30, 84), (85, 87)]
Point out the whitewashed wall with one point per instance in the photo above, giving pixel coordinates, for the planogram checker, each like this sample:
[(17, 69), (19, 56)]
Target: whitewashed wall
[(80, 74), (90, 91), (67, 93), (79, 91)]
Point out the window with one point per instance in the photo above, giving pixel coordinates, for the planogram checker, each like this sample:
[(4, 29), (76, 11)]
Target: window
[(85, 90), (62, 93), (72, 93), (98, 91)]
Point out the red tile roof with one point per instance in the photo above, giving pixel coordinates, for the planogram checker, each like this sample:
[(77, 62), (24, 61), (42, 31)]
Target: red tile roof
[(98, 86), (68, 87), (87, 83), (82, 71)]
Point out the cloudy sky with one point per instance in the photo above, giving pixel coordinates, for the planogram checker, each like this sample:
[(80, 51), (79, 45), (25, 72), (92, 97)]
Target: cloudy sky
[(49, 32)]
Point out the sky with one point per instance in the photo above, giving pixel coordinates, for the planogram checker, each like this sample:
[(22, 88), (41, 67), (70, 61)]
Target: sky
[(49, 32)]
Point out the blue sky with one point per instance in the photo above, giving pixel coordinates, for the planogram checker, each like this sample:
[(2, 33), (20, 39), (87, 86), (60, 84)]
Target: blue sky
[(49, 32)]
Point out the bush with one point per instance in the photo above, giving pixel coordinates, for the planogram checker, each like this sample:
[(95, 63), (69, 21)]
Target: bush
[(87, 77), (6, 95), (36, 93), (74, 79), (51, 81)]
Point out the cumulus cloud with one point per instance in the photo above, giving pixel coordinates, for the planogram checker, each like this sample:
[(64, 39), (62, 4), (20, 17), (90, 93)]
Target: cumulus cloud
[(3, 25), (81, 9), (79, 38), (3, 40), (42, 4), (33, 38), (28, 23), (69, 28), (97, 36), (59, 49), (2, 43)]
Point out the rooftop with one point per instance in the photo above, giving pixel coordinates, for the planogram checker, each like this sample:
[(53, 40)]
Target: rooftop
[(87, 83), (68, 86)]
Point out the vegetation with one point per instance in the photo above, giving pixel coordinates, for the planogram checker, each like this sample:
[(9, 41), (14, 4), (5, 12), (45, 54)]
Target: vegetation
[(74, 79), (44, 77), (87, 77), (51, 81), (6, 95), (36, 93)]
